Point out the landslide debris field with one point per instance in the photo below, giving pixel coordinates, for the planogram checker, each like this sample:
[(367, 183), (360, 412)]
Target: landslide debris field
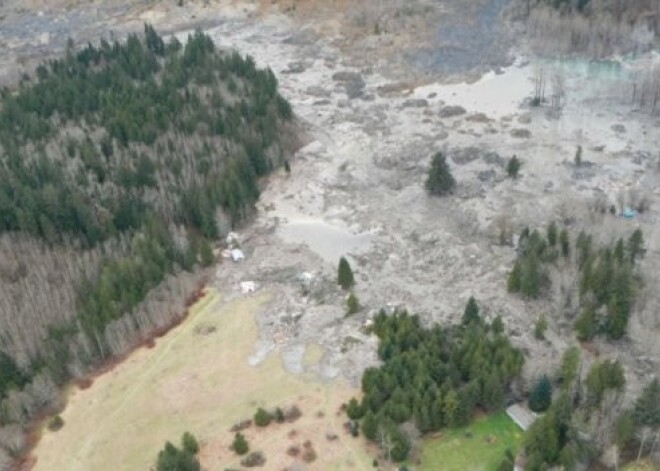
[(374, 110)]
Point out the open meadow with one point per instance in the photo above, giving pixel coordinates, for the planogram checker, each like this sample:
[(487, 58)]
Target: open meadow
[(478, 447), (197, 379)]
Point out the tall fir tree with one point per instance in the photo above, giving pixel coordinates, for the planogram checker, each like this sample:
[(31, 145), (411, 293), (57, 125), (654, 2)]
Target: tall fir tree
[(471, 313), (440, 181), (540, 397), (345, 274)]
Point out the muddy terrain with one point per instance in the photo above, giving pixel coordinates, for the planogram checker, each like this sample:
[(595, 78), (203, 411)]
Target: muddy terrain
[(376, 102)]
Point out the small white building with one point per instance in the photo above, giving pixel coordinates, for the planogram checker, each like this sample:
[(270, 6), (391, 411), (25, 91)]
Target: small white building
[(521, 415), (237, 255)]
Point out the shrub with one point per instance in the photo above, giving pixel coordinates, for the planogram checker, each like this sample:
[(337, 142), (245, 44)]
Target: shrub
[(354, 410), (352, 304), (293, 450), (262, 418), (354, 428), (55, 423), (256, 458), (540, 328), (240, 444), (309, 455), (279, 415)]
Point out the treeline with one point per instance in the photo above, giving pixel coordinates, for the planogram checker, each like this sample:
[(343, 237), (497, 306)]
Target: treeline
[(587, 420), (596, 28), (119, 165), (433, 378), (607, 275)]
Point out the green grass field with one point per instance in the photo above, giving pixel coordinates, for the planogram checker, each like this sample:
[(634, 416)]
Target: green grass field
[(478, 447)]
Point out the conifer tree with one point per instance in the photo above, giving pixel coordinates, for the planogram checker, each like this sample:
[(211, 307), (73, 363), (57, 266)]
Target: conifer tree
[(440, 181), (240, 444), (513, 283), (540, 397), (513, 167), (370, 425), (565, 243), (647, 406), (345, 274), (552, 234), (471, 313), (636, 245)]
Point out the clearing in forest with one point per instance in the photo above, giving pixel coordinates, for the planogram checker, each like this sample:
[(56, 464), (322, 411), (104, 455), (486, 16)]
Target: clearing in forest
[(197, 378), (479, 446)]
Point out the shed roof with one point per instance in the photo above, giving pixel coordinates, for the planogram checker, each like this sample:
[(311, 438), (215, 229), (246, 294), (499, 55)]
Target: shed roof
[(522, 416)]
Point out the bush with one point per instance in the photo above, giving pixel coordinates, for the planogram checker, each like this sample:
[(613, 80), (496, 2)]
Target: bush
[(508, 462), (352, 304), (55, 423), (309, 454), (440, 181), (279, 415), (540, 328), (354, 428), (240, 444), (262, 418), (292, 414), (354, 410), (256, 458)]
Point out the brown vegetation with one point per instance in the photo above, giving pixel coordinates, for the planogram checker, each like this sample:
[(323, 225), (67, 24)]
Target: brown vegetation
[(603, 28)]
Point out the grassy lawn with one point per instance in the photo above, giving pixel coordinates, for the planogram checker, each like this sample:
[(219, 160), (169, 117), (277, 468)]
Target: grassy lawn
[(477, 447)]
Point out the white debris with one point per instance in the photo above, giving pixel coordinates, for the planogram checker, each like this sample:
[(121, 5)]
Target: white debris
[(232, 239), (237, 255), (248, 287)]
